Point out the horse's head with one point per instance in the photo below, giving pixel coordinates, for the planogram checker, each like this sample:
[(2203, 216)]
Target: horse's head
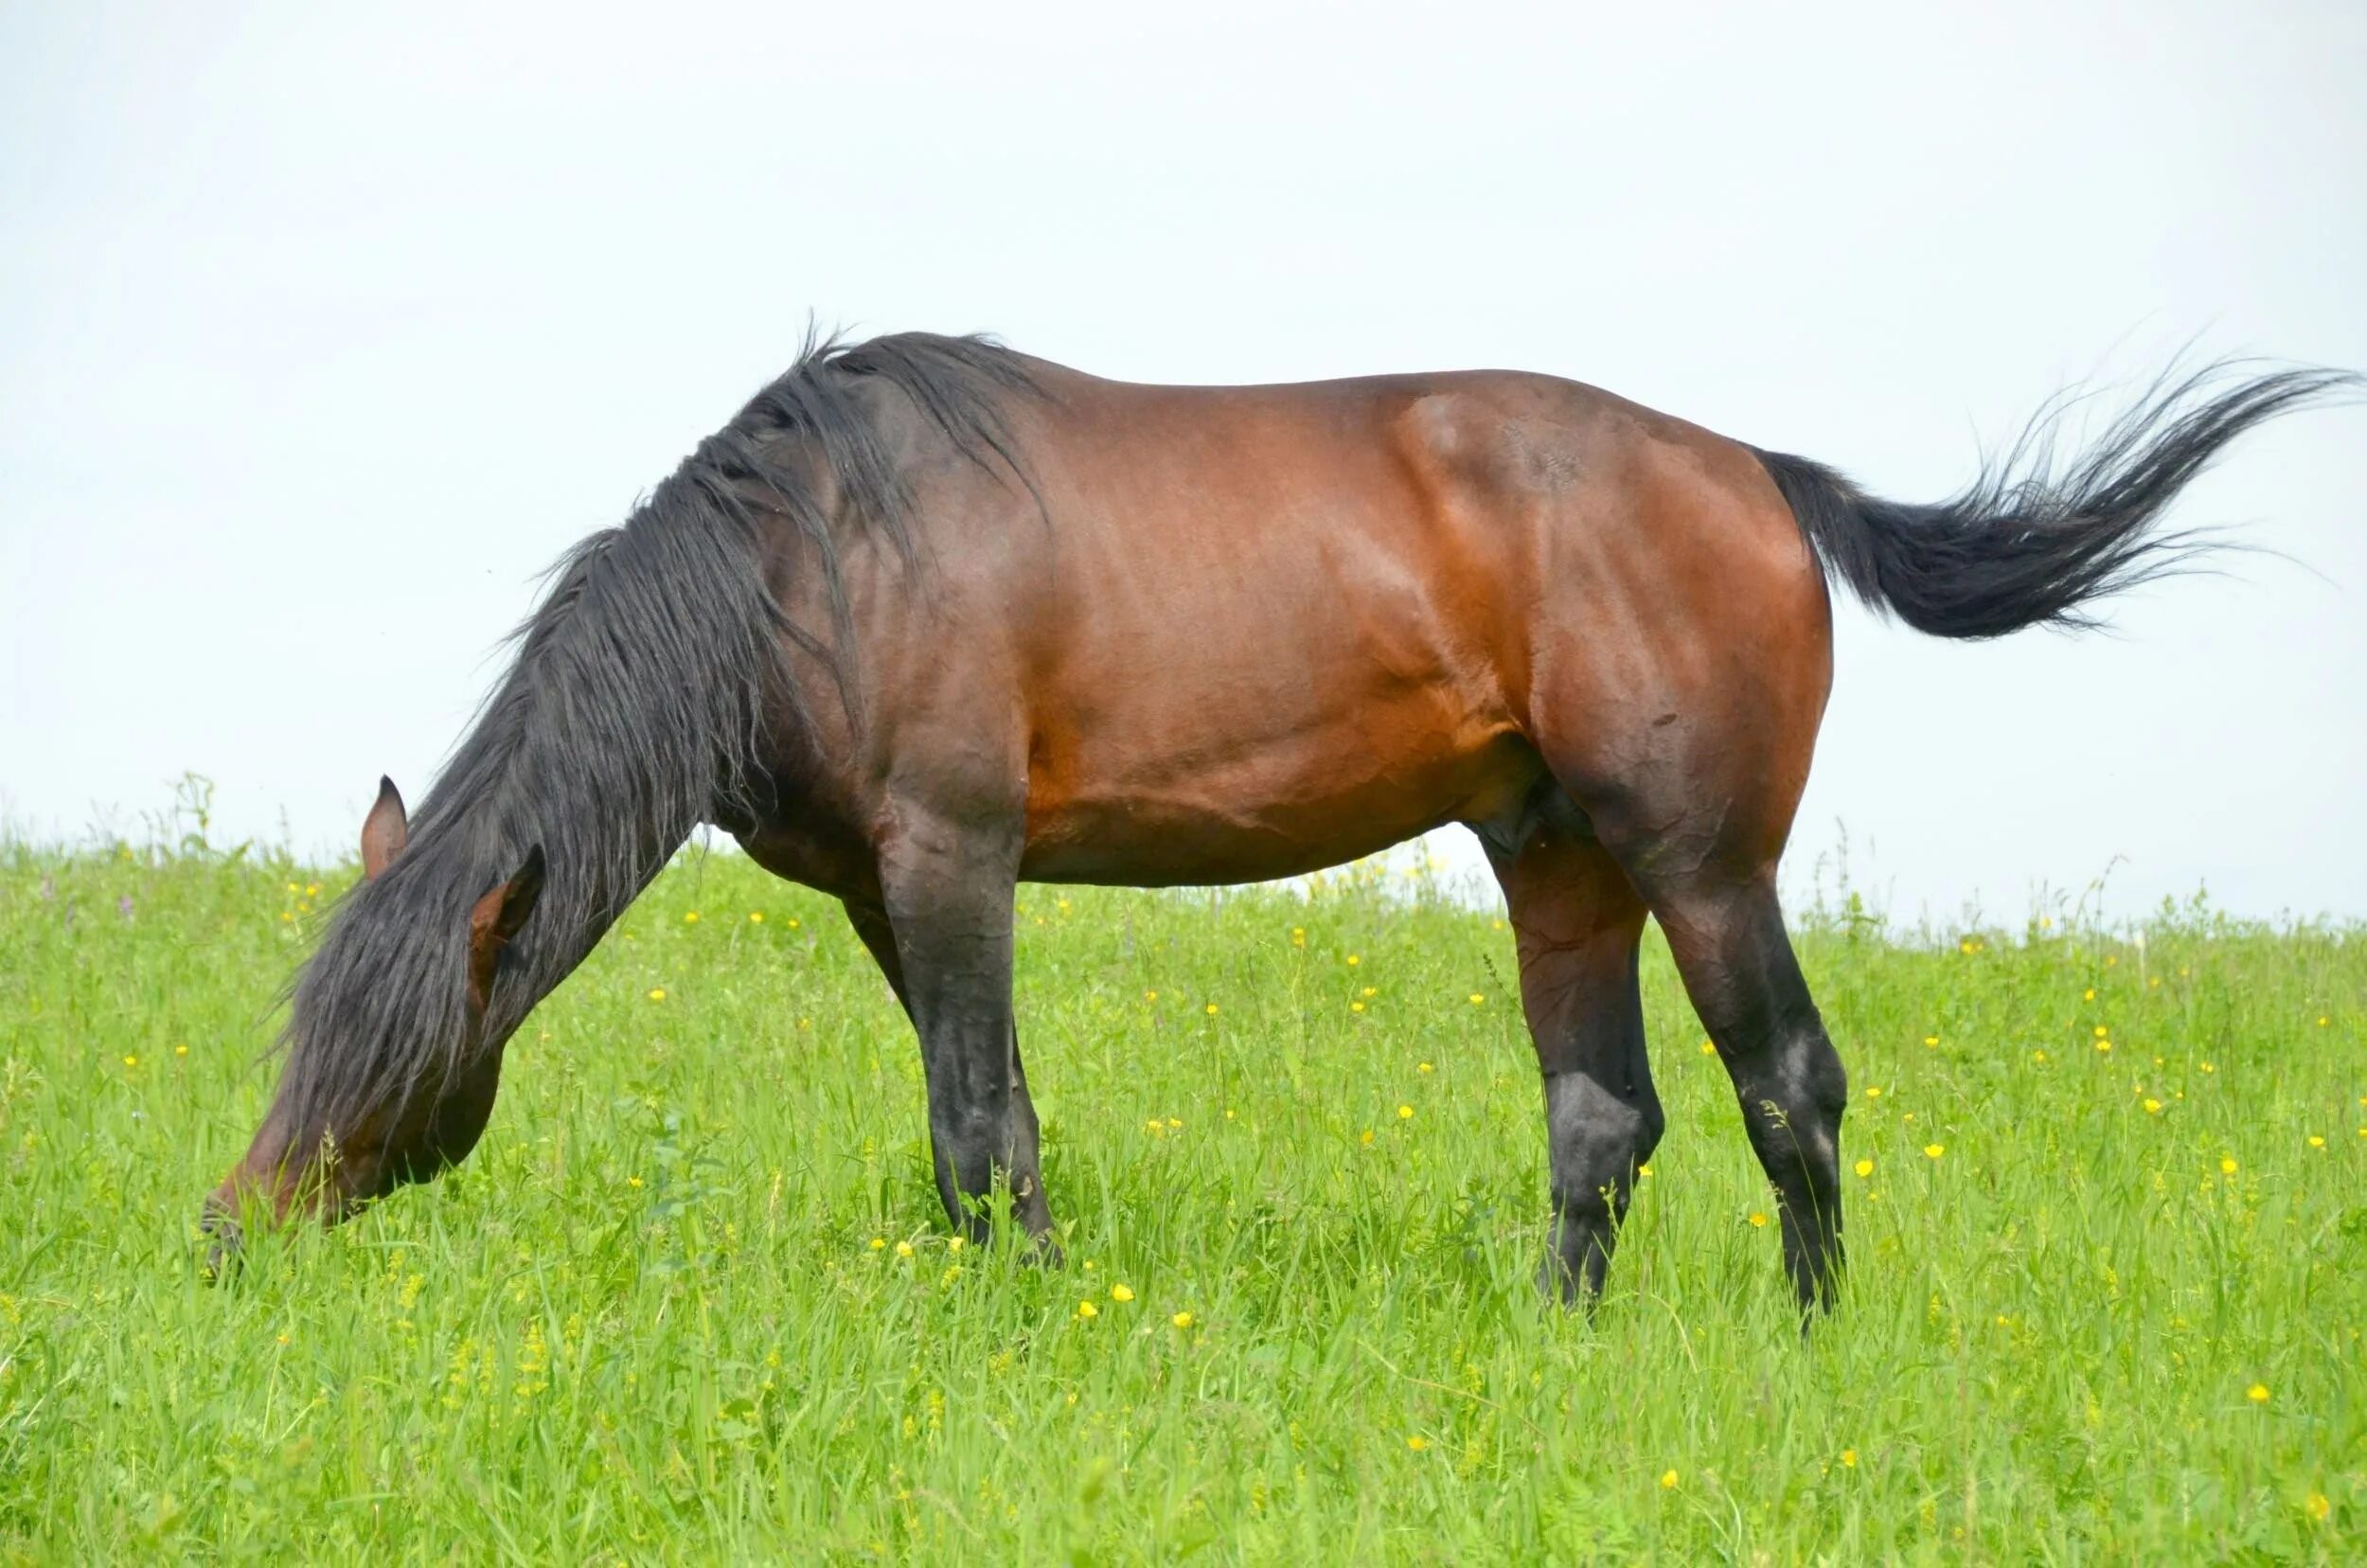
[(377, 1093)]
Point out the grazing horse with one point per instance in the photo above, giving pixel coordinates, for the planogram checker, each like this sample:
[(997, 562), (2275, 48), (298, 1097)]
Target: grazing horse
[(928, 618)]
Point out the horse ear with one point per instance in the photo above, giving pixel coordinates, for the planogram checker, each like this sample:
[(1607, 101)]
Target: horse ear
[(497, 918), (384, 831), (499, 914)]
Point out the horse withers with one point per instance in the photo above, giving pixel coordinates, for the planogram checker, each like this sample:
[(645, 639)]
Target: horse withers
[(928, 618)]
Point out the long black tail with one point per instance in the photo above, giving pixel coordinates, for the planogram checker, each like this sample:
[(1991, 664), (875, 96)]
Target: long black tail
[(2029, 544)]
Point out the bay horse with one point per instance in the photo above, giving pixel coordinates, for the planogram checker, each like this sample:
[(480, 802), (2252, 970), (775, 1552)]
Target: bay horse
[(929, 618)]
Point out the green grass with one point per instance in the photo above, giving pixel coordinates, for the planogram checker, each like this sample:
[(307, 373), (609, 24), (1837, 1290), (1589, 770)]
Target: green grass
[(653, 1319)]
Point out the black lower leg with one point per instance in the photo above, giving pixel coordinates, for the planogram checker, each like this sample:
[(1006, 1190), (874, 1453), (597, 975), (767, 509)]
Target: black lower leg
[(946, 951), (1788, 1080), (1577, 921), (1023, 1160), (1596, 1137), (1792, 1090)]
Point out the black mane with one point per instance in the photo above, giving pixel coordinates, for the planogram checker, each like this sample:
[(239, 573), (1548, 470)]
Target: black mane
[(633, 709)]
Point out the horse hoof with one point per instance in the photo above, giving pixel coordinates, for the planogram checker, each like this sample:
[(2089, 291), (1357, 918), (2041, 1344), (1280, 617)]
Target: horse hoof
[(225, 1248), (1560, 1286)]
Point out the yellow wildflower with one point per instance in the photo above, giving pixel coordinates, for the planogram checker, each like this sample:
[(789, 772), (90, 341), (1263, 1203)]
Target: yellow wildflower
[(657, 993), (1865, 1168), (1849, 1458), (1181, 1319), (903, 1249), (690, 917), (1121, 1293), (1211, 1009), (1354, 959), (1759, 1221), (2153, 1107), (1421, 1067), (755, 917), (1087, 1309), (1478, 999), (2227, 1165), (1932, 1150), (2257, 1392), (1418, 1443), (878, 1243), (1668, 1480), (1405, 1113)]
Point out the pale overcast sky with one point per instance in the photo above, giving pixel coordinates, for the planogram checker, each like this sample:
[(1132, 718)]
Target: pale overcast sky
[(323, 328)]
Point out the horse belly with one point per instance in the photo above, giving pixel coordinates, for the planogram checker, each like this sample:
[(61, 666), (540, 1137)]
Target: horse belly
[(1300, 803)]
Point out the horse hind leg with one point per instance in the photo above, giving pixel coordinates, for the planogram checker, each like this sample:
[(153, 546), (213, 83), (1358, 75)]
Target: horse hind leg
[(1689, 748), (1712, 888), (1577, 922)]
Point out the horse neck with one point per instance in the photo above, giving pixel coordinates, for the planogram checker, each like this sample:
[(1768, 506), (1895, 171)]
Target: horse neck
[(596, 862)]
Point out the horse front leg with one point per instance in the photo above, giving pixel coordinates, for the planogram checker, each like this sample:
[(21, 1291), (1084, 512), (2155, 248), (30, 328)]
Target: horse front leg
[(943, 938)]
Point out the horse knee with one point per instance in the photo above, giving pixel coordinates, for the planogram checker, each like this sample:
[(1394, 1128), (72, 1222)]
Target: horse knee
[(1801, 1076), (1596, 1140)]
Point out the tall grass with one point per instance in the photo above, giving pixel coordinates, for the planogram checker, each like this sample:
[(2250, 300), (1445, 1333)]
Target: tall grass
[(693, 1299)]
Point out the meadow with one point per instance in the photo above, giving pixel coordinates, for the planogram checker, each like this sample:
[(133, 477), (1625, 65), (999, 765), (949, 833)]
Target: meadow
[(693, 1300)]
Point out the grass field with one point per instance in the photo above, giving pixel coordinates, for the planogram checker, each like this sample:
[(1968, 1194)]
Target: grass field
[(693, 1300)]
